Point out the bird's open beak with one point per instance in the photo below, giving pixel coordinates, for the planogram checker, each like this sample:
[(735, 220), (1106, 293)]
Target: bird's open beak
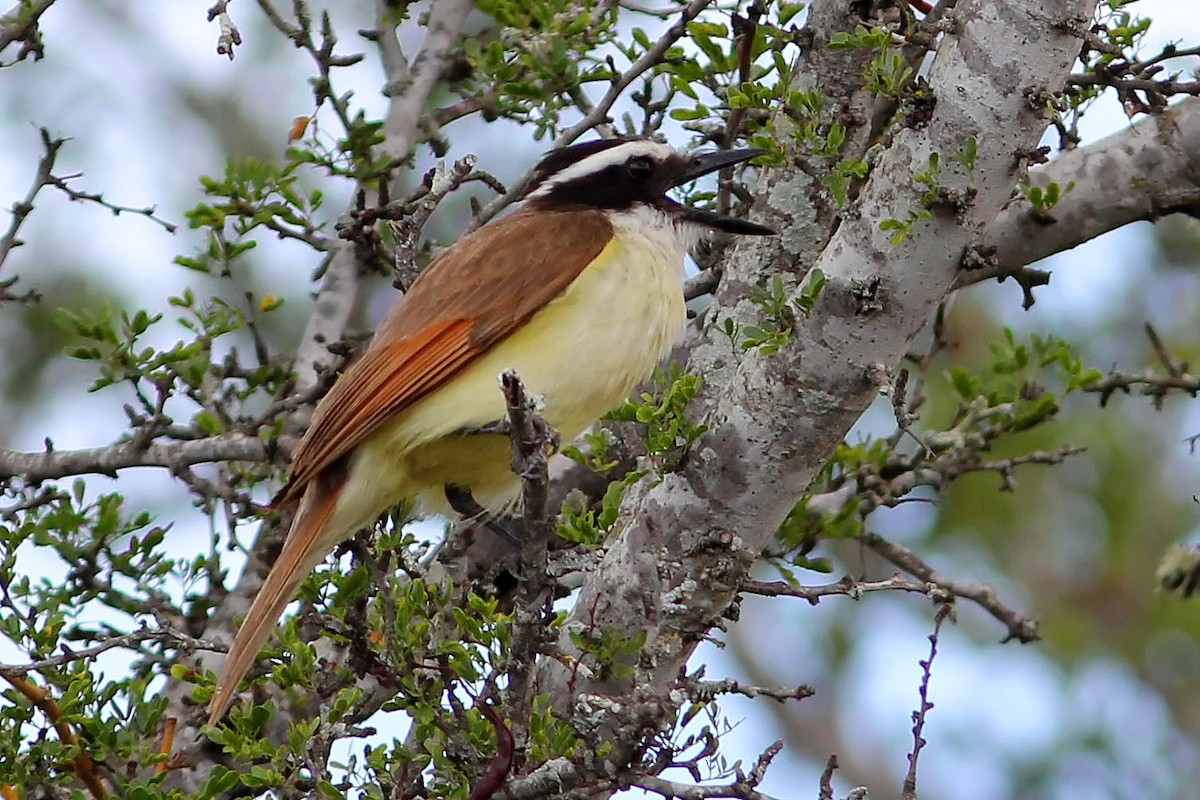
[(700, 164)]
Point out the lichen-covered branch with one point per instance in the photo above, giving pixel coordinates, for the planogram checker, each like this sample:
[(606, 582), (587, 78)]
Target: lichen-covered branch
[(108, 459), (689, 539), (20, 24), (1144, 172)]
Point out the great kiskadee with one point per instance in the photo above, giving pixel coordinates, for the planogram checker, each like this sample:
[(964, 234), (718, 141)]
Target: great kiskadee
[(579, 292)]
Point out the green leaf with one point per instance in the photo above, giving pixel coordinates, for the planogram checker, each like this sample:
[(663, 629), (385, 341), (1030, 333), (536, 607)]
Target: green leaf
[(690, 114), (220, 780), (966, 384), (789, 10), (327, 789)]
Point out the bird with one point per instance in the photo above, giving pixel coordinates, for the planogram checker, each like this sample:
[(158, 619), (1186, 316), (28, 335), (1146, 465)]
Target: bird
[(579, 291)]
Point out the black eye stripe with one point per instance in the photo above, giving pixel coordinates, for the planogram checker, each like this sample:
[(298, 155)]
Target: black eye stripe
[(640, 167), (641, 176)]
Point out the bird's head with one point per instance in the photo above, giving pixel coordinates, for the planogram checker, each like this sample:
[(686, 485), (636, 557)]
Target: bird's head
[(619, 174)]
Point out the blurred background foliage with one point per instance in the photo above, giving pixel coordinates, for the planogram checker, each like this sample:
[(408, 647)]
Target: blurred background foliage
[(1106, 706)]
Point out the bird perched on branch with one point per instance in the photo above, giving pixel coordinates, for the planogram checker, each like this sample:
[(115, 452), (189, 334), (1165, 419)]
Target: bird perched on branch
[(579, 292)]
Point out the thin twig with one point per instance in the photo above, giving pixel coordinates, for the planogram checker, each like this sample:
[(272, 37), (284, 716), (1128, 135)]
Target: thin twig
[(169, 636), (705, 691), (846, 587), (61, 183), (85, 769), (45, 496), (909, 791), (533, 440), (22, 208), (406, 232), (684, 791), (1174, 368), (1021, 628), (599, 113), (168, 743), (465, 107), (826, 785), (1152, 384)]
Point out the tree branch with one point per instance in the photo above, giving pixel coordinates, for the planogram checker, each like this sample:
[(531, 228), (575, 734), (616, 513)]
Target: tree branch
[(909, 787), (169, 636), (687, 791), (1144, 172), (930, 583), (396, 70), (773, 419), (846, 587), (21, 209), (744, 785), (339, 289), (706, 691), (20, 24), (85, 768), (106, 460), (1021, 628)]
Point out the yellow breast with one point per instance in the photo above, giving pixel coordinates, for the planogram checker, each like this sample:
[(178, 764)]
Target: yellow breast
[(583, 353)]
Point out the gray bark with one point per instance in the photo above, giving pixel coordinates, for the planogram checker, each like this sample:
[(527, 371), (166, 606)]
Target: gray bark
[(1144, 172), (689, 540)]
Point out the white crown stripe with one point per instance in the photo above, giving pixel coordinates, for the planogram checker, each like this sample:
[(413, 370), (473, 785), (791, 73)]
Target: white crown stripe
[(599, 161)]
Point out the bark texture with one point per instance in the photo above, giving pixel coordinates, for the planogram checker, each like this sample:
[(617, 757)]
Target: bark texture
[(1144, 172), (689, 540)]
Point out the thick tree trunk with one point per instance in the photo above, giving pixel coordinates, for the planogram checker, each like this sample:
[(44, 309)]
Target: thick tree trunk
[(689, 540)]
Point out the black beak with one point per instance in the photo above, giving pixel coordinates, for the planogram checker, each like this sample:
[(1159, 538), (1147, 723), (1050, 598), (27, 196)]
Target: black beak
[(702, 164)]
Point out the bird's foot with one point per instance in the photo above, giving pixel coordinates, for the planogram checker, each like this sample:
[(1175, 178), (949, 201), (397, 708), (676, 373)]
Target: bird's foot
[(463, 502)]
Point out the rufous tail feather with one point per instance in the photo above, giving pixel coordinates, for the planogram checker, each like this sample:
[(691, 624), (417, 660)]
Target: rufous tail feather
[(301, 553)]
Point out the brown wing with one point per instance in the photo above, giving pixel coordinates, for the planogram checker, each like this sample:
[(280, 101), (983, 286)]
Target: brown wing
[(467, 300)]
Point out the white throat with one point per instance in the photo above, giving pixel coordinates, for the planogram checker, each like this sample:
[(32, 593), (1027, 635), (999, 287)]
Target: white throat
[(673, 236)]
